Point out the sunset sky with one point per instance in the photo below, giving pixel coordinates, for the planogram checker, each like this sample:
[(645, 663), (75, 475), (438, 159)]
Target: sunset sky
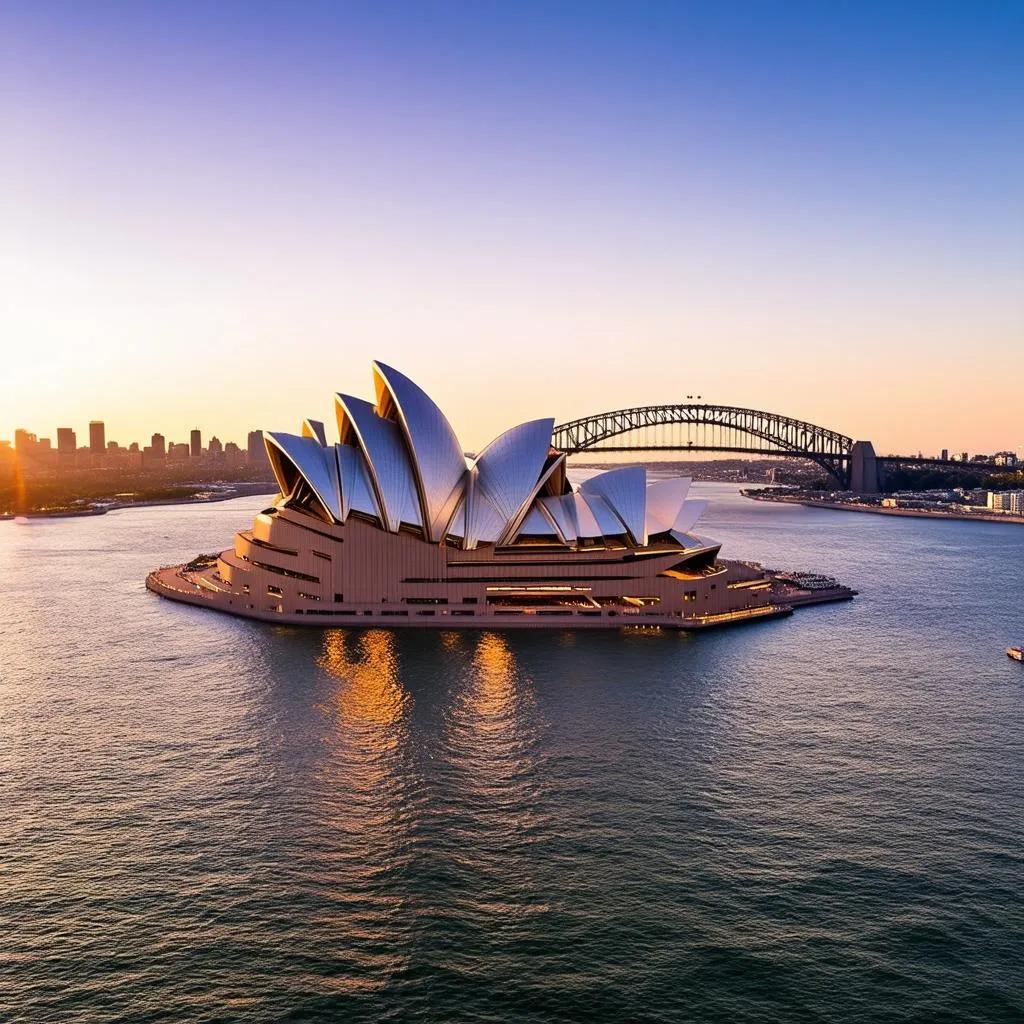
[(217, 214)]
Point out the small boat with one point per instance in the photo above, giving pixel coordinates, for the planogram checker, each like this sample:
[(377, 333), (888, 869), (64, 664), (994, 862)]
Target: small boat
[(1017, 653)]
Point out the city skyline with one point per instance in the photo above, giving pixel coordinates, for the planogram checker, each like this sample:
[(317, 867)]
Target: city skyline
[(70, 437), (197, 435), (809, 209)]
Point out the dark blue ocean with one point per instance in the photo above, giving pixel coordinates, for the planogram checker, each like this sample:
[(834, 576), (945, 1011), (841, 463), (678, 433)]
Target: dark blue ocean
[(819, 818)]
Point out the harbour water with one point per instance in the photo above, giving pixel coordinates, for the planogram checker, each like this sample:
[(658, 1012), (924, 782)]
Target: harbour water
[(819, 818)]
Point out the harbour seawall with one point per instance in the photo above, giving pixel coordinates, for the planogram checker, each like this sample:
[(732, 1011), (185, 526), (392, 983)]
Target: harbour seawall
[(909, 513)]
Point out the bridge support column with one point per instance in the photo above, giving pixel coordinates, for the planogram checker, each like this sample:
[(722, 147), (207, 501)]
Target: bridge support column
[(864, 469)]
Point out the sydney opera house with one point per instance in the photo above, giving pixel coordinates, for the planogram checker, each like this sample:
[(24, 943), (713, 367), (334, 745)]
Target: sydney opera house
[(395, 525)]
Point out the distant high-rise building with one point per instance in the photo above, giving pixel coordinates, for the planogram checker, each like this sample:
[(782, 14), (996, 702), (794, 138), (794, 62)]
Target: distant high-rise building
[(24, 442), (67, 444), (97, 437), (257, 451), (215, 448), (159, 445), (177, 452), (37, 450), (944, 455), (233, 455), (195, 444), (134, 446)]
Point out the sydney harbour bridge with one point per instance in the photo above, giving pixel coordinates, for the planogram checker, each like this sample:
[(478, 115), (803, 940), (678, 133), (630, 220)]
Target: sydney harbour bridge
[(701, 427)]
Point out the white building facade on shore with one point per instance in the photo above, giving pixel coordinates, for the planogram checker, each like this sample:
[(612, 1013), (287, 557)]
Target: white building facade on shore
[(1006, 501)]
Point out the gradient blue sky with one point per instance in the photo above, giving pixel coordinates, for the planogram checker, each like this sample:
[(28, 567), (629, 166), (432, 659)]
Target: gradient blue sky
[(217, 214)]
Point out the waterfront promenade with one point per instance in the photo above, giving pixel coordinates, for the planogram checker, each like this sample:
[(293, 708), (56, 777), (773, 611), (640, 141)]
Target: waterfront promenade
[(912, 513)]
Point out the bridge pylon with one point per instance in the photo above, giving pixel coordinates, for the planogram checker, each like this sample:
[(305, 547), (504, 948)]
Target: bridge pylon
[(865, 475)]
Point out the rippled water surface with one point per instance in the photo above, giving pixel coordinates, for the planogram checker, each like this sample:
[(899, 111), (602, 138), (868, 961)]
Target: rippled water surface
[(814, 819)]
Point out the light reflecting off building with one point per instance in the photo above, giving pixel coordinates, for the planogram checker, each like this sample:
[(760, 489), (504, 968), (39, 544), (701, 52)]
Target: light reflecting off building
[(371, 692), (494, 734), (451, 640), (494, 724), (368, 781), (495, 694)]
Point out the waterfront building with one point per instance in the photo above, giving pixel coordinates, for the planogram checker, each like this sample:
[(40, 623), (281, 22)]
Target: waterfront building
[(395, 525), (97, 437), (1006, 501), (975, 497)]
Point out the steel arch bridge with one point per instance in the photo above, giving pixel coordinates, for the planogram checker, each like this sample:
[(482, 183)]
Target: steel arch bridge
[(708, 428)]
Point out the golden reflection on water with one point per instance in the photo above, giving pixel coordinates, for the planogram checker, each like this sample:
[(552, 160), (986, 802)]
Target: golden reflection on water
[(371, 692), (452, 639), (494, 691), (493, 735), (494, 725), (370, 784)]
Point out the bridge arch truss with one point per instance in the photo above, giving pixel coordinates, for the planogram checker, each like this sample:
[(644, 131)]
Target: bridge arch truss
[(717, 428)]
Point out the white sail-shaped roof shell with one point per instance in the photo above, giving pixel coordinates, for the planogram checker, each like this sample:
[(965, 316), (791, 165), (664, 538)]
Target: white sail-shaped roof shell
[(314, 428), (314, 464), (383, 447), (485, 523), (437, 461), (587, 526), (664, 500), (608, 523), (625, 492), (554, 465), (562, 510), (356, 487), (537, 524), (505, 478), (692, 541), (688, 514), (457, 527)]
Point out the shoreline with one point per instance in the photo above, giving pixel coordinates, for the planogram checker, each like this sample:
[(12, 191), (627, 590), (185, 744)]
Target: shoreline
[(909, 513), (242, 490)]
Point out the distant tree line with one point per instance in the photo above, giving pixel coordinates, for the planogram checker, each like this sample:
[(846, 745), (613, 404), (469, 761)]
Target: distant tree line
[(927, 479)]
